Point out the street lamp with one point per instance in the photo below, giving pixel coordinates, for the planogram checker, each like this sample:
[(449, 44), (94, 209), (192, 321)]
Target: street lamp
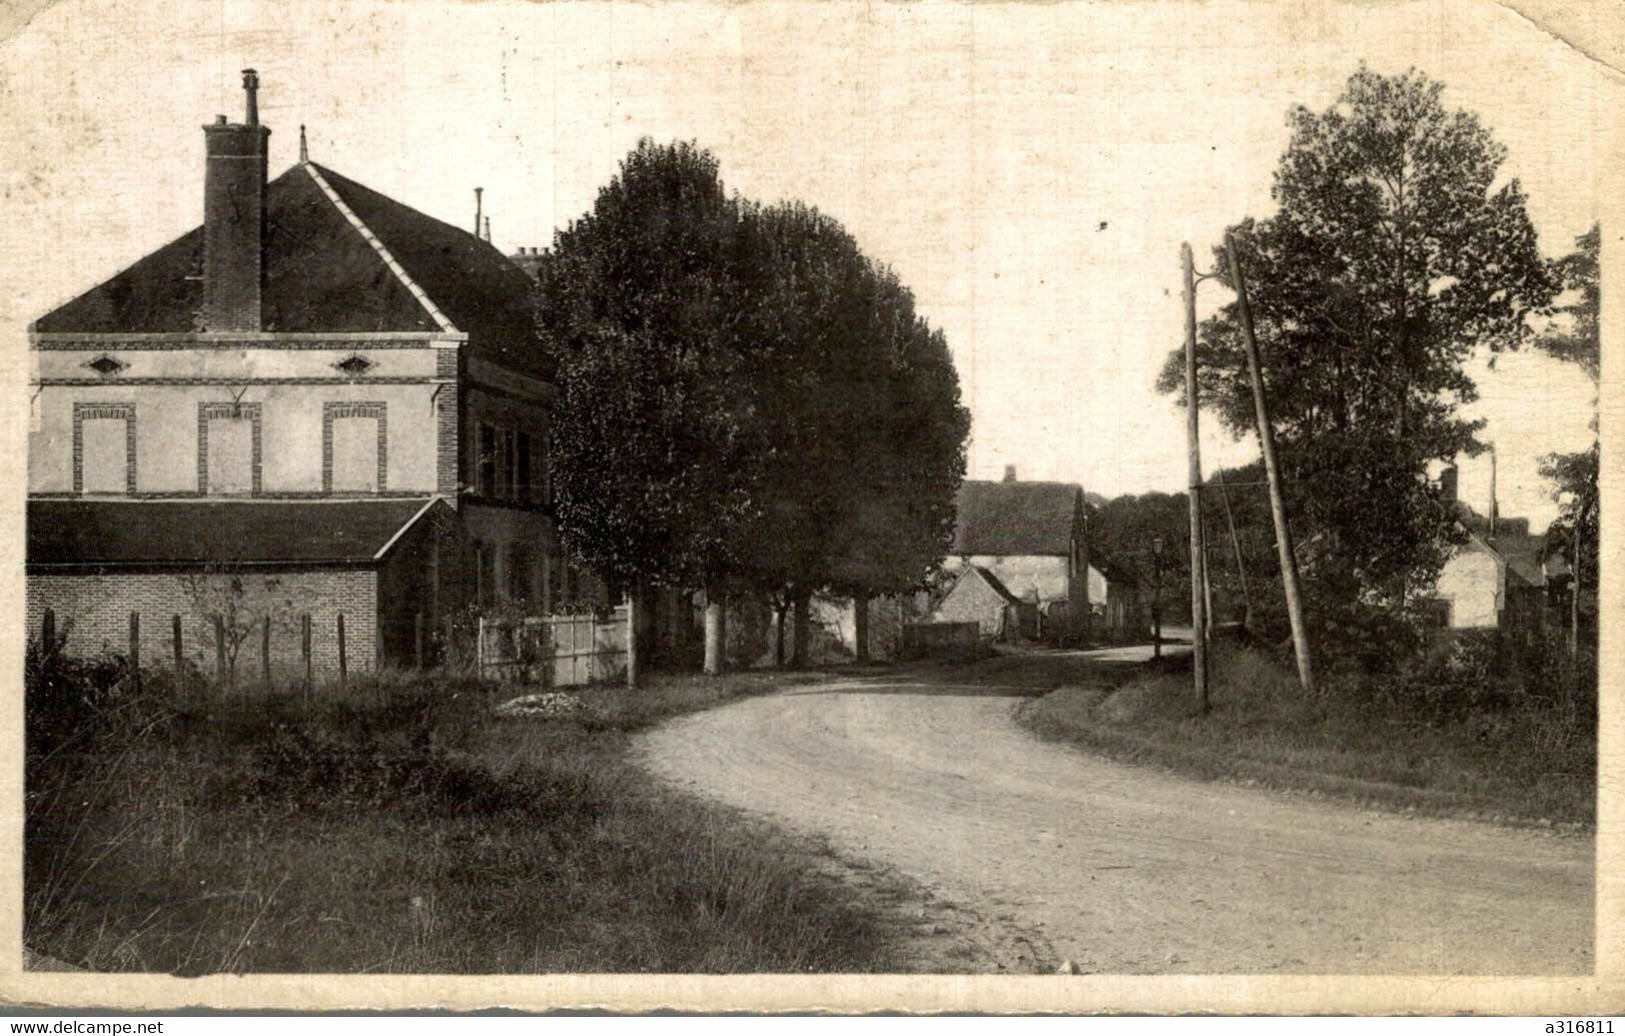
[(1156, 597)]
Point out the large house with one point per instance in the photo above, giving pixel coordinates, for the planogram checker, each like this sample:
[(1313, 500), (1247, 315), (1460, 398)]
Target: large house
[(1029, 538), (320, 401)]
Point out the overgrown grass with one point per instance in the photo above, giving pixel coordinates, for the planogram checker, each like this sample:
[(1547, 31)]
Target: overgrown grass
[(1507, 755), (399, 827)]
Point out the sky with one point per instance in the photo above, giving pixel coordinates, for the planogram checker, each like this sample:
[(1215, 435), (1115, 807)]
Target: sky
[(1029, 170)]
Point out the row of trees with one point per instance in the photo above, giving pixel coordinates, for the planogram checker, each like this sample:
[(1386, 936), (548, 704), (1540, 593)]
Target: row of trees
[(749, 404), (1396, 252)]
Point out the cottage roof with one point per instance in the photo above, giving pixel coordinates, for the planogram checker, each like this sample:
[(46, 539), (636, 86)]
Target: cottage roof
[(111, 534), (1013, 518), (1513, 542), (996, 583), (329, 270)]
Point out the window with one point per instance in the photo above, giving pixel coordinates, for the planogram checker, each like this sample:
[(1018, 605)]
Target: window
[(486, 484), (522, 490), (228, 448), (510, 453), (104, 448), (519, 573), (354, 448)]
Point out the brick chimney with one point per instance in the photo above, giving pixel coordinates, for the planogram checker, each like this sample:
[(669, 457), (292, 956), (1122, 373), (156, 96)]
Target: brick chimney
[(1447, 484), (234, 218)]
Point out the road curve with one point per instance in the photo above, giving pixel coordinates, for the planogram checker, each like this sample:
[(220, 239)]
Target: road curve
[(1125, 869)]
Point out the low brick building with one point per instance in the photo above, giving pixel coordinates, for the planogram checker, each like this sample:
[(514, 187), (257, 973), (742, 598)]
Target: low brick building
[(320, 393)]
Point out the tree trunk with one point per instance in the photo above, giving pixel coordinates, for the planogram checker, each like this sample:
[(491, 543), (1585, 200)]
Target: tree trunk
[(780, 611), (860, 626), (803, 603), (634, 636), (716, 634)]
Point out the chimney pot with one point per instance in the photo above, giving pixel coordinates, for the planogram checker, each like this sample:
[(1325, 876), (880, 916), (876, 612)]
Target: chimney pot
[(1009, 472), (219, 120), (251, 87)]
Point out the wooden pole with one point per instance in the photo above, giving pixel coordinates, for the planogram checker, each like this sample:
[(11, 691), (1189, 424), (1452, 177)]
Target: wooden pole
[(1235, 544), (1272, 473), (417, 640), (265, 651), (180, 654), (219, 650), (343, 662), (47, 634), (135, 651), (1193, 448)]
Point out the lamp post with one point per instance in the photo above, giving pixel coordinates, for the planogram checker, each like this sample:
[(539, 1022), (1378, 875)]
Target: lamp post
[(1156, 597)]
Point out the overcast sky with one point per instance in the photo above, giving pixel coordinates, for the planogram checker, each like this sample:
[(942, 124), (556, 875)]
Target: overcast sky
[(1029, 170)]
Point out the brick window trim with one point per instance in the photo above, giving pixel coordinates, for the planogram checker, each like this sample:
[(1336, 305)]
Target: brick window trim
[(83, 412), (331, 412), (208, 411)]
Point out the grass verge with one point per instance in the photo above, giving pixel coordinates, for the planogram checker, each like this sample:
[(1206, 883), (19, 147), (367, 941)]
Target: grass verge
[(401, 827), (1523, 761)]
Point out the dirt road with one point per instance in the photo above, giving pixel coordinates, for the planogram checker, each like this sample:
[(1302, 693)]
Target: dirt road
[(1123, 869)]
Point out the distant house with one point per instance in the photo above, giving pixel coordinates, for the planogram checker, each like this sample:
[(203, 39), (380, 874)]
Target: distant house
[(1114, 596), (1028, 537), (978, 596), (1499, 577)]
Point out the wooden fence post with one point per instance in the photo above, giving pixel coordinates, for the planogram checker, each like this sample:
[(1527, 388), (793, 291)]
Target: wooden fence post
[(304, 637), (417, 640), (180, 654), (135, 651), (48, 633), (265, 651), (343, 665), (219, 650)]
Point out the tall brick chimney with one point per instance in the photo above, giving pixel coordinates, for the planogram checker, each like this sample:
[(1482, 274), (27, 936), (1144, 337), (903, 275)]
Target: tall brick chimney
[(234, 218)]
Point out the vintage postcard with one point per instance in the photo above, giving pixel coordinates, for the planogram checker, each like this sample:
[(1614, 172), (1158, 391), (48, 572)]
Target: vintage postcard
[(790, 506)]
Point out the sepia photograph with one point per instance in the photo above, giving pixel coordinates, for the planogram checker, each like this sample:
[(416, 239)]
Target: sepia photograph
[(788, 505)]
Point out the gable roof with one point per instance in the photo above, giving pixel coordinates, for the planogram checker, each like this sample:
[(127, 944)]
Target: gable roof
[(112, 534), (1005, 518), (339, 257)]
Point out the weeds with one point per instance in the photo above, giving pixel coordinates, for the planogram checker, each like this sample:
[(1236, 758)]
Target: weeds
[(1458, 731), (396, 826)]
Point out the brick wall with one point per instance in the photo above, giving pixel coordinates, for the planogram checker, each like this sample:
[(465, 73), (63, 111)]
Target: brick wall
[(94, 613)]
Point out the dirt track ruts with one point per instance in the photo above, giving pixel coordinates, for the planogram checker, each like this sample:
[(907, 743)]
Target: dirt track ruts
[(1125, 869)]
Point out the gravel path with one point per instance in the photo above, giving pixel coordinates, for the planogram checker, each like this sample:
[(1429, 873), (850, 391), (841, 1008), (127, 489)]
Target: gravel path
[(1123, 869)]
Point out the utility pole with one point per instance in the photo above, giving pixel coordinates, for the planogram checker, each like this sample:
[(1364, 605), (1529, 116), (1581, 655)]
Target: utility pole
[(1198, 547), (1156, 597), (1272, 474)]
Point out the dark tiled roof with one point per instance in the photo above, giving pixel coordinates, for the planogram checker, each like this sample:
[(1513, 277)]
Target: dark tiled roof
[(322, 275), (92, 534), (1016, 518)]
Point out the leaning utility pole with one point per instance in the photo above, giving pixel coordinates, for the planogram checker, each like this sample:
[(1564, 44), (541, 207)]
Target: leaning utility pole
[(1272, 473), (1198, 547)]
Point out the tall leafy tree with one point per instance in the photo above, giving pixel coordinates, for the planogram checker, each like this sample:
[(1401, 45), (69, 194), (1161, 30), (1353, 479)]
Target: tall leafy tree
[(1573, 337), (866, 430), (1396, 251), (655, 447)]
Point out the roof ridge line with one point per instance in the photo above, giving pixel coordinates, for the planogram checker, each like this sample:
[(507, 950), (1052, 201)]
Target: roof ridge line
[(379, 247)]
